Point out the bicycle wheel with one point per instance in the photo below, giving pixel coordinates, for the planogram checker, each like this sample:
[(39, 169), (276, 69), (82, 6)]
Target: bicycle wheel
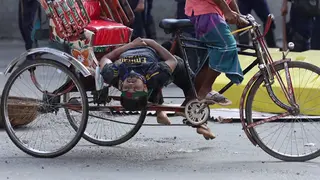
[(109, 127), (48, 133), (291, 138)]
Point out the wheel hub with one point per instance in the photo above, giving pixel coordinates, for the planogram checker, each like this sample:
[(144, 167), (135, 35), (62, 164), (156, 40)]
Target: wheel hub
[(295, 111), (197, 113)]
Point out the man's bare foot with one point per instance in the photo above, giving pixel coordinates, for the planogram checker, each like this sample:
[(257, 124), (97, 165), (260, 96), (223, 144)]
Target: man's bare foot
[(162, 118), (206, 132)]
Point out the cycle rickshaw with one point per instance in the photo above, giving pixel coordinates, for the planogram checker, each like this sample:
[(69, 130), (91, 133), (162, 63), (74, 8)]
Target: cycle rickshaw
[(79, 26)]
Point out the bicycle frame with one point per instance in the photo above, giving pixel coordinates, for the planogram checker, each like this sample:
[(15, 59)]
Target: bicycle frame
[(264, 61)]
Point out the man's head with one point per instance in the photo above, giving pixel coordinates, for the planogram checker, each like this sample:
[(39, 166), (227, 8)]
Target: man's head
[(134, 94)]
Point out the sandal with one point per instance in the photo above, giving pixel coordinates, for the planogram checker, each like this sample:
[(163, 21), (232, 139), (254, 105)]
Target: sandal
[(205, 131), (216, 98)]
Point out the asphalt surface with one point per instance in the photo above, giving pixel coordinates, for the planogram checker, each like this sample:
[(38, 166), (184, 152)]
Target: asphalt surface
[(154, 153)]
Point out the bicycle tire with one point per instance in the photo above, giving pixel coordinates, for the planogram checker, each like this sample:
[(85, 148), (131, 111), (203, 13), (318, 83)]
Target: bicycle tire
[(5, 94), (122, 139), (248, 111)]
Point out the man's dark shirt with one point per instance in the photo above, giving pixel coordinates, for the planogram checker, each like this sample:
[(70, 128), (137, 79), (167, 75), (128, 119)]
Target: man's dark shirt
[(142, 60)]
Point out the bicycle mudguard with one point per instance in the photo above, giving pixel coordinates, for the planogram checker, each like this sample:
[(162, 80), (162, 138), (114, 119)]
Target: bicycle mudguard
[(244, 96), (61, 57)]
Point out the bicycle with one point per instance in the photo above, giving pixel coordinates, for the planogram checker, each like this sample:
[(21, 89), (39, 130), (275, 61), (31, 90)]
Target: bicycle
[(267, 70), (79, 81)]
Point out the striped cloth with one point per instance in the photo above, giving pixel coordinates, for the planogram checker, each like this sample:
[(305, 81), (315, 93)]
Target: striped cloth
[(223, 56)]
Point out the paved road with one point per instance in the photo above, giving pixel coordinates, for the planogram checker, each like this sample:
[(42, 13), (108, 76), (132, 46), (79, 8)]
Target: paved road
[(154, 153), (159, 153)]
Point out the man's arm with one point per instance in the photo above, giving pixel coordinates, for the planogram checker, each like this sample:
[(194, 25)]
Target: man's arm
[(234, 6), (222, 5), (284, 8), (114, 55), (170, 60)]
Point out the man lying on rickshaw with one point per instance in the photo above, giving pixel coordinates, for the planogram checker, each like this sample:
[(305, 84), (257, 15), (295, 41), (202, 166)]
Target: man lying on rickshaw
[(140, 69)]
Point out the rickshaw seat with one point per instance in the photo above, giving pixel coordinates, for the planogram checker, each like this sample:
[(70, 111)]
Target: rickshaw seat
[(107, 31)]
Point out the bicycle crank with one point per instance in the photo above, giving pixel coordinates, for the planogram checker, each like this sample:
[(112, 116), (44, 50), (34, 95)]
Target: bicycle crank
[(197, 113)]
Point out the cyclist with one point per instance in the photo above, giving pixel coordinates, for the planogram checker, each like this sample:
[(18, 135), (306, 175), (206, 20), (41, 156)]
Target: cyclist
[(209, 18), (140, 69)]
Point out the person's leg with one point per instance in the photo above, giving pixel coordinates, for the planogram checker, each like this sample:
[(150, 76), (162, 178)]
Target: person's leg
[(301, 29), (138, 30), (223, 56), (245, 7), (180, 79), (28, 12), (315, 43), (200, 76), (180, 76), (150, 27), (162, 117), (20, 19), (137, 25), (261, 8)]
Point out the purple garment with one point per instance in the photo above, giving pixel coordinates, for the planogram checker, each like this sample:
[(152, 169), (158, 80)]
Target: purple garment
[(222, 50)]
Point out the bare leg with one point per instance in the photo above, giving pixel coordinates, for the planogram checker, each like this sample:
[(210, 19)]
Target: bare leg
[(162, 118), (200, 77), (203, 85), (207, 82)]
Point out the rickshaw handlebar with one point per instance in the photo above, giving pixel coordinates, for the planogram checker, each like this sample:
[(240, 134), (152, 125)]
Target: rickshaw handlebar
[(252, 22)]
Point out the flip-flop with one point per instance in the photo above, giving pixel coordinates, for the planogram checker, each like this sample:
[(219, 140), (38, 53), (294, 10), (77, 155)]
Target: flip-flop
[(216, 98)]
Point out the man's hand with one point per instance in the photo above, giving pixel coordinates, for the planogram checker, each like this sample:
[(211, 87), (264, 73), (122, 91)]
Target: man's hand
[(235, 18), (138, 42), (148, 41), (231, 17), (242, 22), (114, 55), (169, 59)]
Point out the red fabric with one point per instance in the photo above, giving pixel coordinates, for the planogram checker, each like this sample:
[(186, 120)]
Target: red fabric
[(93, 8), (108, 32)]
